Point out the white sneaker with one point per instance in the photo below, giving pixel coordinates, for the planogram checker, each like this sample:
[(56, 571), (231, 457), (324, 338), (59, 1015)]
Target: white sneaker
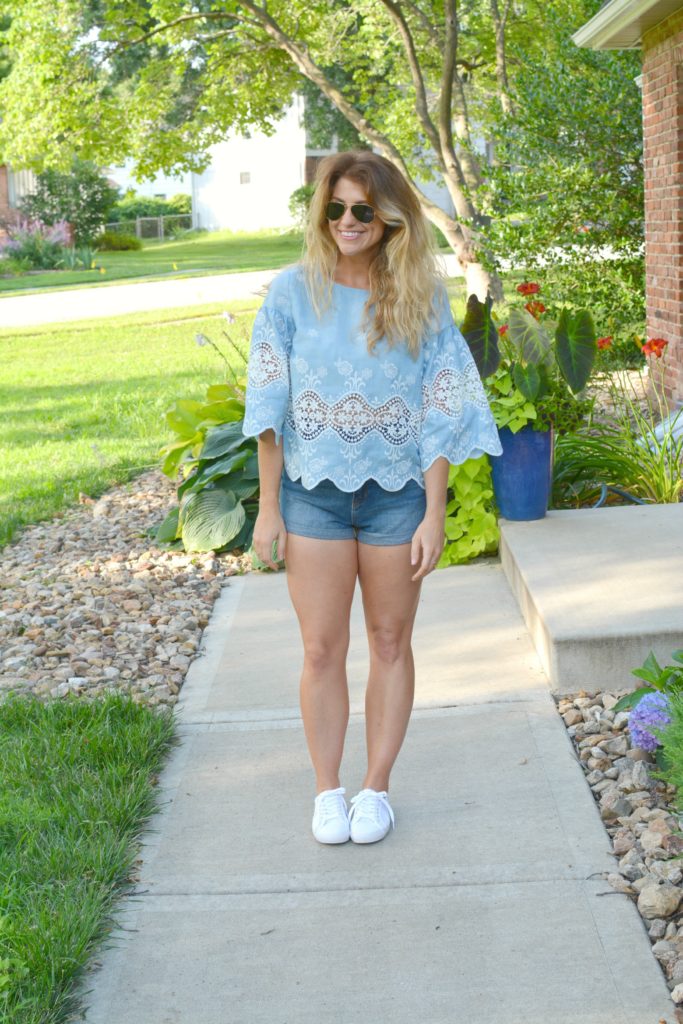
[(331, 817), (371, 816)]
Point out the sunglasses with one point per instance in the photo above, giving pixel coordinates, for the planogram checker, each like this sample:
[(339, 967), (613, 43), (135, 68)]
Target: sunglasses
[(361, 211)]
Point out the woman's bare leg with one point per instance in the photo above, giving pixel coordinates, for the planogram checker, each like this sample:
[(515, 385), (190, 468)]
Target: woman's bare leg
[(321, 576), (390, 600)]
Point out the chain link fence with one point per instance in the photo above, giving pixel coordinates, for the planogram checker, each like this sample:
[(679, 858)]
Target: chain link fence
[(167, 226)]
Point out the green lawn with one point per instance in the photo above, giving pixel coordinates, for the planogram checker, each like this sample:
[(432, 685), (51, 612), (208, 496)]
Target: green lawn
[(218, 252), (83, 403), (78, 782)]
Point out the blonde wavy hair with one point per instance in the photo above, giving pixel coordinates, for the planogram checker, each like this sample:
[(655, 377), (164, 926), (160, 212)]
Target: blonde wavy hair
[(403, 276)]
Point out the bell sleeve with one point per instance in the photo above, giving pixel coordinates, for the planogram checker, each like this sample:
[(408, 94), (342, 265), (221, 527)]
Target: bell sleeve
[(268, 382), (456, 420)]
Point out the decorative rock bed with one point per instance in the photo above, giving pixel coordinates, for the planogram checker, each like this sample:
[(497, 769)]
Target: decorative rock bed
[(89, 604), (637, 810)]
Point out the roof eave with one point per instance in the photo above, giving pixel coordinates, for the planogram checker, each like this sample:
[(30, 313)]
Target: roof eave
[(620, 24)]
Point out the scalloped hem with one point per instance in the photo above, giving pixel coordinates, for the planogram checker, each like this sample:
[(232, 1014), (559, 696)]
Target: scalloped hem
[(305, 481), (255, 432)]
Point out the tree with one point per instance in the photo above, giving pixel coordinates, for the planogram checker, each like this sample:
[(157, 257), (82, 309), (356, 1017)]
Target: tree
[(81, 196), (568, 175), (162, 80)]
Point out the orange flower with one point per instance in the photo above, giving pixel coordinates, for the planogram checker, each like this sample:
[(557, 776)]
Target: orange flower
[(604, 342), (503, 329), (654, 347), (535, 307), (528, 288)]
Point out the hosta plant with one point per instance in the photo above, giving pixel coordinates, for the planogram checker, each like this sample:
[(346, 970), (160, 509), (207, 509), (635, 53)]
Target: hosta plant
[(218, 496)]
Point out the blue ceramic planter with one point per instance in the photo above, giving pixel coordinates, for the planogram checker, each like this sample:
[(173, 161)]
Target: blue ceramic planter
[(523, 474)]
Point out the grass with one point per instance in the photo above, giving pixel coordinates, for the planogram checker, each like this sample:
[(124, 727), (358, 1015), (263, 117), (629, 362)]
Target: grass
[(84, 403), (78, 786), (218, 252)]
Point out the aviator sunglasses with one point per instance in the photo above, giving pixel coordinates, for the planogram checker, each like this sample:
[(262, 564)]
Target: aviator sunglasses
[(361, 211)]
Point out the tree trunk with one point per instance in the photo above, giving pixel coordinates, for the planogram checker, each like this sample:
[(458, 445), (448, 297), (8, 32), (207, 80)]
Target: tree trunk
[(478, 280)]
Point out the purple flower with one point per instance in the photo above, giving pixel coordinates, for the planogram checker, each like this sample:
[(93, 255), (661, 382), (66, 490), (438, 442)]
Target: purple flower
[(651, 711)]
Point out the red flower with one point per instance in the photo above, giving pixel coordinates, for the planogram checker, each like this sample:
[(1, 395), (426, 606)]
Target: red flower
[(535, 307), (528, 288), (654, 347), (604, 342), (503, 329)]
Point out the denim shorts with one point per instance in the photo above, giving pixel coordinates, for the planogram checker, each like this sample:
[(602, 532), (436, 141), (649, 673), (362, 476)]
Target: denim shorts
[(371, 514)]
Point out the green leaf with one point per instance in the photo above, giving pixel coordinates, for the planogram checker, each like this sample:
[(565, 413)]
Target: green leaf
[(185, 416), (629, 700), (576, 348), (210, 520), (223, 439), (213, 470), (167, 531), (529, 337), (481, 334), (527, 379)]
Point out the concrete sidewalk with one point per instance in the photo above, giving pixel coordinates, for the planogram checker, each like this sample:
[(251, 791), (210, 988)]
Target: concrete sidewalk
[(486, 904)]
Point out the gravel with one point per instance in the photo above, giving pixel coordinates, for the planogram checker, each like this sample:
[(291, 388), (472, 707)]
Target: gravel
[(89, 604), (639, 813)]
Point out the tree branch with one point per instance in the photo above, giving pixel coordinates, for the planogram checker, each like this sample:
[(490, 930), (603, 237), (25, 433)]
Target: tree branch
[(423, 114), (429, 28), (501, 67)]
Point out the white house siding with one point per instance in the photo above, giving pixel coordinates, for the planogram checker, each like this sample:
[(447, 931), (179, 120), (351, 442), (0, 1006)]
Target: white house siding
[(161, 186), (249, 182)]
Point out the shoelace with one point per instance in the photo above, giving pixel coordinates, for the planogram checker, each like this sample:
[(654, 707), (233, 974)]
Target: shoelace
[(332, 805), (369, 804)]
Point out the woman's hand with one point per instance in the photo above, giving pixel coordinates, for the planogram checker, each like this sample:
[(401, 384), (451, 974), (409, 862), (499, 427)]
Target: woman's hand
[(427, 544), (269, 527)]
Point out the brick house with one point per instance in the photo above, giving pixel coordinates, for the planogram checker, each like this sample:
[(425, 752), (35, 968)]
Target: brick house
[(656, 27)]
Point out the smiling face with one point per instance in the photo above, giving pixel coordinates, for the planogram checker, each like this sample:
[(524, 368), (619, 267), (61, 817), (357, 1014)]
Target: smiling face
[(353, 238)]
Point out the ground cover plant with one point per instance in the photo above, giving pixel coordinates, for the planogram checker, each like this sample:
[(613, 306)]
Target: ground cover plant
[(78, 786), (84, 403), (217, 252)]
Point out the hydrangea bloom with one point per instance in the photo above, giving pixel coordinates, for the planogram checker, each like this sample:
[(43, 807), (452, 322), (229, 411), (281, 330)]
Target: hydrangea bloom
[(651, 710)]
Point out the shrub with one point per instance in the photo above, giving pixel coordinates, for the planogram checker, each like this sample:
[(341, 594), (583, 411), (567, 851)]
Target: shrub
[(114, 241), (39, 246), (81, 197), (299, 203), (133, 205)]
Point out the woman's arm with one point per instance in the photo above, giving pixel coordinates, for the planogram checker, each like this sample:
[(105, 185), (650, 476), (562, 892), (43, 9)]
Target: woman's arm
[(269, 525), (428, 539)]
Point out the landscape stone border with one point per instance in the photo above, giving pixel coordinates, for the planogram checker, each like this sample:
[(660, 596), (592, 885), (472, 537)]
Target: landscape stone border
[(640, 816), (89, 604)]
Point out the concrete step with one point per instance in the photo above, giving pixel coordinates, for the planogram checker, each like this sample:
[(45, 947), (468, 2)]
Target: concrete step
[(598, 589)]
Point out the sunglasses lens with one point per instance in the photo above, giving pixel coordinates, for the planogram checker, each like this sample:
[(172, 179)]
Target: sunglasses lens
[(334, 211), (365, 214)]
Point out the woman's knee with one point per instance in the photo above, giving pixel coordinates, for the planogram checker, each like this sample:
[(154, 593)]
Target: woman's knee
[(323, 653), (389, 643)]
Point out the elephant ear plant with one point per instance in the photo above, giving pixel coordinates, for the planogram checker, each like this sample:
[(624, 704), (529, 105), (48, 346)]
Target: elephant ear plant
[(218, 497), (534, 369)]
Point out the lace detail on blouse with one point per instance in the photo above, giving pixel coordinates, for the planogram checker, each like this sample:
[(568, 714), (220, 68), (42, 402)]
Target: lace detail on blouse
[(348, 416)]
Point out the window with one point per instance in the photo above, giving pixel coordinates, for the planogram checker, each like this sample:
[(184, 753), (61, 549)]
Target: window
[(245, 177)]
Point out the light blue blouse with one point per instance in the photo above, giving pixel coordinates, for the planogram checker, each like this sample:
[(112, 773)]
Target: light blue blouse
[(347, 415)]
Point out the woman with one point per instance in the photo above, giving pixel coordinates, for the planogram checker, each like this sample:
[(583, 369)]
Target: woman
[(361, 390)]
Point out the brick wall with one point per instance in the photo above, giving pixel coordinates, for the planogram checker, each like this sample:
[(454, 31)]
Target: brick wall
[(663, 133)]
